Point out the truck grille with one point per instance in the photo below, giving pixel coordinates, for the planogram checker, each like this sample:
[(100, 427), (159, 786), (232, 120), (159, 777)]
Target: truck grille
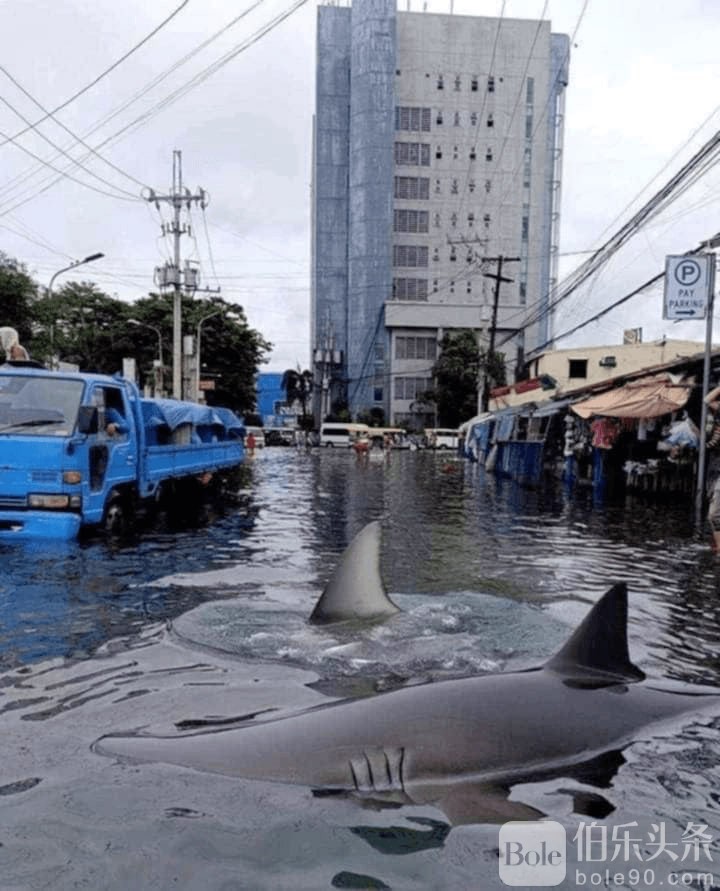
[(12, 502)]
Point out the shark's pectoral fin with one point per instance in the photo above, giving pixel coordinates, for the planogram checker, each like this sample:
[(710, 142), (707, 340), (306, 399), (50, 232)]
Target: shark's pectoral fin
[(481, 803), (355, 590), (598, 650)]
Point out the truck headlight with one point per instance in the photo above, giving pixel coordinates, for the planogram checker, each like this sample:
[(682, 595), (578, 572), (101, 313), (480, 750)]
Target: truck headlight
[(49, 502)]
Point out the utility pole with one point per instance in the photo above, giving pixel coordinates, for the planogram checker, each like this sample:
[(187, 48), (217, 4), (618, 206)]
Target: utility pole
[(498, 278), (171, 275)]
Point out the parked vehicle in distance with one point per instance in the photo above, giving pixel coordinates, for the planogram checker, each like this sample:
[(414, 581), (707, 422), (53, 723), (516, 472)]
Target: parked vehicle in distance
[(441, 438), (81, 450), (396, 435), (339, 434)]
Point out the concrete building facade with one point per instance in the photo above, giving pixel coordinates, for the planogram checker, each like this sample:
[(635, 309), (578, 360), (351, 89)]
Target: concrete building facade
[(437, 150)]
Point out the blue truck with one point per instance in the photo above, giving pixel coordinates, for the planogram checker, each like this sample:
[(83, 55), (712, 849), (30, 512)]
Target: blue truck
[(87, 450)]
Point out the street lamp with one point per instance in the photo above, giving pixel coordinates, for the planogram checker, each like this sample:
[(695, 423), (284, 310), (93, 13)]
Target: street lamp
[(75, 263), (140, 324), (197, 351)]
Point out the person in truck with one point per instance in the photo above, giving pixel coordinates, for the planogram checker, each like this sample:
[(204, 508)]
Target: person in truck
[(14, 351)]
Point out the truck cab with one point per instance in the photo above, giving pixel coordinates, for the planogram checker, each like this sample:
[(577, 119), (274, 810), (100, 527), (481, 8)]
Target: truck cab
[(82, 449)]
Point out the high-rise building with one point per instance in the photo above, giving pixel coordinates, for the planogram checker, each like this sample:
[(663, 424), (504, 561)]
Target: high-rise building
[(437, 150)]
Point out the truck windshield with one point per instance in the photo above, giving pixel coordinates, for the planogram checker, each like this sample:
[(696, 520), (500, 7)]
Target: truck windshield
[(38, 406)]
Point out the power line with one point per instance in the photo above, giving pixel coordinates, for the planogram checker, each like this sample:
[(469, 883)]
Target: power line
[(100, 76)]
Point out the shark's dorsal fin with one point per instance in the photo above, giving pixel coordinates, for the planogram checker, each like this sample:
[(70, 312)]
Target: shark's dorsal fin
[(355, 590), (598, 648)]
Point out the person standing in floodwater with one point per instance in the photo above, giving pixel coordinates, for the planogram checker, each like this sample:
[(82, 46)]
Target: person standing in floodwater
[(712, 480)]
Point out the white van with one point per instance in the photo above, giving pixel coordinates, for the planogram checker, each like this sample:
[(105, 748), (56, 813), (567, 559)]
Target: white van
[(338, 433), (441, 438)]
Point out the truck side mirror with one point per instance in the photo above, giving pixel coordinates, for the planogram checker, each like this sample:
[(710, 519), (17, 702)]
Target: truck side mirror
[(88, 419)]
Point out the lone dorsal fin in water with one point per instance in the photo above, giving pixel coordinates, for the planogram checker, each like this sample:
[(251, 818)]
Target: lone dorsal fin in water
[(598, 648), (355, 590)]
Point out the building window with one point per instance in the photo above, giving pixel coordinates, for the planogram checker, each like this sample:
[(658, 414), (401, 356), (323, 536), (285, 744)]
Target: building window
[(377, 394), (410, 288), (491, 84), (436, 221), (411, 221), (488, 186), (490, 121), (412, 387), (455, 153), (453, 220), (412, 187), (469, 258), (457, 83), (471, 185), (525, 233), (412, 255), (471, 219), (454, 187), (438, 152), (489, 155), (440, 82), (437, 187), (415, 347), (436, 255), (577, 368), (456, 119), (439, 119), (411, 118), (435, 286), (474, 84), (473, 118), (528, 126), (473, 154), (453, 254), (412, 153)]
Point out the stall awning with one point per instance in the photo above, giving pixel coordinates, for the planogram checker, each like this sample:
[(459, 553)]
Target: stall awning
[(648, 397)]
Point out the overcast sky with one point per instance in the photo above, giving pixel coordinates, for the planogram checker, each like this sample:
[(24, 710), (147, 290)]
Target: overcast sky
[(642, 95)]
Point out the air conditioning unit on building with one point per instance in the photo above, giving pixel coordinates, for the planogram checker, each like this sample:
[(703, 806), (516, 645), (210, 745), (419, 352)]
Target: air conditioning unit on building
[(608, 362)]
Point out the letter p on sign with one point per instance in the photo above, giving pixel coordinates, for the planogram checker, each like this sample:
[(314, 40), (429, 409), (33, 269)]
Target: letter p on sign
[(533, 853)]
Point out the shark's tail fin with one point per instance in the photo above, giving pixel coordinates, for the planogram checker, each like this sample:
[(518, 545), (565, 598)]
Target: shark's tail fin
[(355, 590), (599, 648)]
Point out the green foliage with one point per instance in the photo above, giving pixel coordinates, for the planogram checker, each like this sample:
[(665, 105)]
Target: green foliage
[(17, 291), (458, 373), (373, 417), (298, 386), (79, 323)]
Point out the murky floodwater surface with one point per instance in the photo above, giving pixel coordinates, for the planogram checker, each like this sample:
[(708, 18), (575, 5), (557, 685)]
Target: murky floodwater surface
[(197, 628)]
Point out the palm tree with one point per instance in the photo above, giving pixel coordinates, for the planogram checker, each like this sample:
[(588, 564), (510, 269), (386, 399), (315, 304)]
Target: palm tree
[(298, 387)]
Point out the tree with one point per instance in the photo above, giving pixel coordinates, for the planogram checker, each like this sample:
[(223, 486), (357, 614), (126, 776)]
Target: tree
[(458, 374), (298, 386), (231, 354), (81, 324), (17, 292)]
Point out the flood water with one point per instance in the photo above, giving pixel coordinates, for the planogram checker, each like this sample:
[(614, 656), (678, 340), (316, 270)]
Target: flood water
[(210, 623)]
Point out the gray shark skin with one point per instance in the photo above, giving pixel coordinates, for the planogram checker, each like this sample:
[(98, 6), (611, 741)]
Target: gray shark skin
[(459, 744), (356, 590)]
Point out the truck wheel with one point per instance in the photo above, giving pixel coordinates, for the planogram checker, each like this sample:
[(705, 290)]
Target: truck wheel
[(116, 522)]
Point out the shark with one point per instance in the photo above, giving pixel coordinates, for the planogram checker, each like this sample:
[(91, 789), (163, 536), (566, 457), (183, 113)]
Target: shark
[(458, 744)]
